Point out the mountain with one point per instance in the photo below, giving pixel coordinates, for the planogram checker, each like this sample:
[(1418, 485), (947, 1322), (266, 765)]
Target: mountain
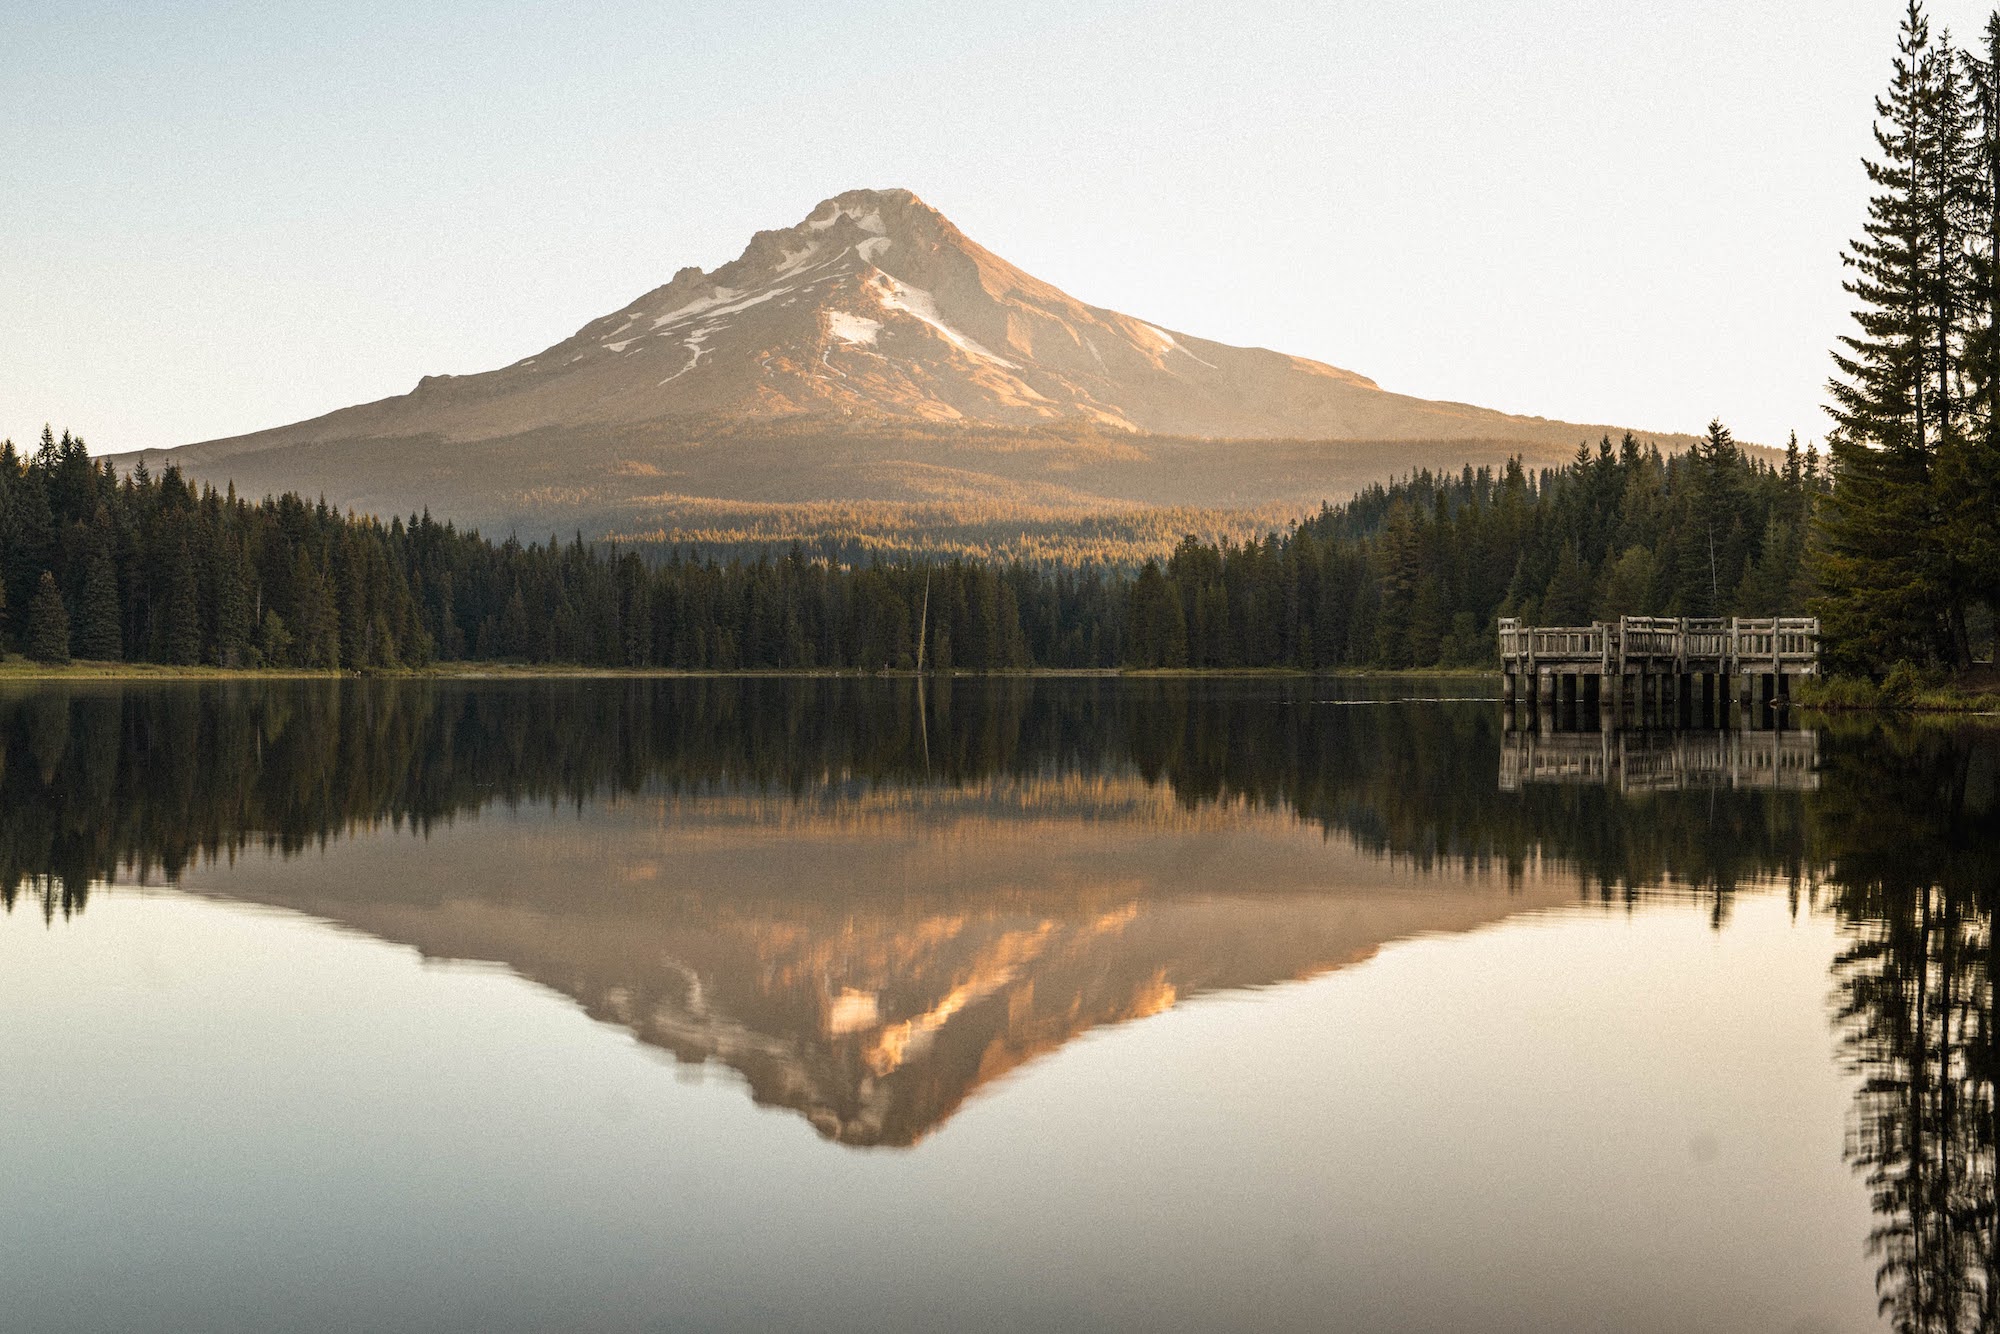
[(877, 305), (872, 355)]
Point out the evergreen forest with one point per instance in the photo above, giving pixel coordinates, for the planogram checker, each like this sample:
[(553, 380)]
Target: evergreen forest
[(105, 566)]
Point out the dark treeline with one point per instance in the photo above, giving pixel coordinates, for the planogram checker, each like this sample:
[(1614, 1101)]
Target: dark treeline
[(1414, 574), (99, 566), (127, 780)]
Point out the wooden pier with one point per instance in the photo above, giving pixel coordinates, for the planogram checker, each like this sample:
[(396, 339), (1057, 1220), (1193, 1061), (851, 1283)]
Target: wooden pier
[(1656, 670)]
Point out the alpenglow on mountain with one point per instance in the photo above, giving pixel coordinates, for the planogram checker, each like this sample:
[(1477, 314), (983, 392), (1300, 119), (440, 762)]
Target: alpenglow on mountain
[(871, 355)]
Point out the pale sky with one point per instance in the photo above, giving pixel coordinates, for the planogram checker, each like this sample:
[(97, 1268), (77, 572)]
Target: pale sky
[(223, 217)]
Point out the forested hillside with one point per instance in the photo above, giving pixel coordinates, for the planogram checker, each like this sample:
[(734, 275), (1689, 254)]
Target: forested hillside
[(105, 566), (1414, 574)]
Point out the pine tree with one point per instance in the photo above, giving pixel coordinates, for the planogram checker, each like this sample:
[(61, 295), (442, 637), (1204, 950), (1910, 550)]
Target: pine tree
[(180, 639), (1711, 554), (1159, 635), (97, 634), (1567, 600), (235, 604), (1766, 586), (514, 626), (316, 624), (274, 641), (1971, 480), (48, 623), (1886, 594), (1628, 585)]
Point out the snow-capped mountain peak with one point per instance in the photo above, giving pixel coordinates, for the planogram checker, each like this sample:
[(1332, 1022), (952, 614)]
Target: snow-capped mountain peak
[(875, 307), (874, 303)]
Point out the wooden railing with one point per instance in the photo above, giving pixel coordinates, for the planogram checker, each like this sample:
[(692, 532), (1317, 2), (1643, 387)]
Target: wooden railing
[(1778, 644)]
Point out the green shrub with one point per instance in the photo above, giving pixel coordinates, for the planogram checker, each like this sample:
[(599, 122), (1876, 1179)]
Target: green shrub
[(1900, 686)]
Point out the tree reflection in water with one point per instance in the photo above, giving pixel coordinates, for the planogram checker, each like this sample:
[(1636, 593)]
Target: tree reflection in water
[(1898, 827), (145, 781), (1902, 831), (1911, 833)]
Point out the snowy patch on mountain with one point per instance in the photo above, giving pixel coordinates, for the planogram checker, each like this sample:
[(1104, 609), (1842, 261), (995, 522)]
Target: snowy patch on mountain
[(724, 302), (851, 328), (895, 294), (695, 343), (1171, 344), (871, 221)]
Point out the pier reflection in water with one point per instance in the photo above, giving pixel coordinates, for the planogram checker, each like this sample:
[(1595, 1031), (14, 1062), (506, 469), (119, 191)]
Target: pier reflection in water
[(1660, 761)]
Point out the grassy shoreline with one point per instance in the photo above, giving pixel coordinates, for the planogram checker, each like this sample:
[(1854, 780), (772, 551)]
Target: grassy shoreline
[(15, 668), (1848, 694)]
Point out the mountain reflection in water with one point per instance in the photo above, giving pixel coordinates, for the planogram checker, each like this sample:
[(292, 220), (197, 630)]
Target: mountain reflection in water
[(872, 959), (868, 915), (872, 900)]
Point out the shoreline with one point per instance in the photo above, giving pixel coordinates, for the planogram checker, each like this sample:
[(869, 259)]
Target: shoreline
[(21, 669), (1835, 697), (1855, 695)]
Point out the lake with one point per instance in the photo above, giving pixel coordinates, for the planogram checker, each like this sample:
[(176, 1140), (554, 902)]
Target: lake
[(987, 1004)]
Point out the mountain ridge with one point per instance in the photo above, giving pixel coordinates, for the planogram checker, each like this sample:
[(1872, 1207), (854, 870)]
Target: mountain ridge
[(858, 334)]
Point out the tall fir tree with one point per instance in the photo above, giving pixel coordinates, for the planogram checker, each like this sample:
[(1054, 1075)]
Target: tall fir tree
[(235, 603), (1567, 600), (48, 623), (1882, 565), (1712, 537), (1971, 480), (181, 630), (97, 635)]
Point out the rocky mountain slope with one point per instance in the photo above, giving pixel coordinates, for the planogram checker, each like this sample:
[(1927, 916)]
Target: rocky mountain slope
[(871, 354)]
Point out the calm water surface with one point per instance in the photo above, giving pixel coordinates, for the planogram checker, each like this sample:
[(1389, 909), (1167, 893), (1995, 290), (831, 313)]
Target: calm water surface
[(1093, 1004)]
